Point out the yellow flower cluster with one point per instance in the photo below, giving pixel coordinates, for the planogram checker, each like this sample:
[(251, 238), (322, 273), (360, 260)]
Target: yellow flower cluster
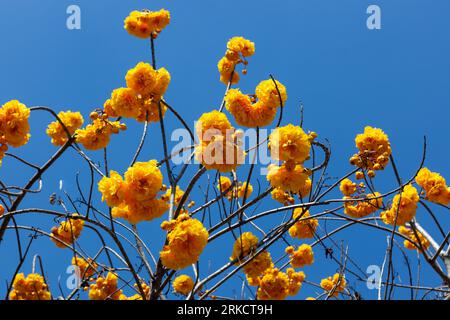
[(257, 265), (277, 285), (334, 285), (186, 240), (86, 268), (250, 113), (134, 198), (144, 24), (32, 287), (305, 227), (71, 120), (290, 143), (363, 208), (237, 192), (374, 150), (105, 288), (219, 146), (407, 232), (67, 231), (183, 284), (14, 126), (238, 48), (348, 187), (434, 185), (281, 196), (290, 178), (244, 246), (302, 257), (404, 205), (98, 134), (177, 198), (145, 287)]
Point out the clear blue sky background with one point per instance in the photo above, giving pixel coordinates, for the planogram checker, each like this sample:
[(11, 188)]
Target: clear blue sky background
[(347, 76)]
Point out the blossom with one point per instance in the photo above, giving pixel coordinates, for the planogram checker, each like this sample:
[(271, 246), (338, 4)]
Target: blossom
[(244, 245), (407, 232), (302, 256), (148, 110), (186, 239), (360, 209), (266, 92), (434, 185), (289, 179), (289, 143), (106, 288), (178, 195), (67, 232), (227, 70), (112, 188), (281, 196), (86, 268), (258, 264), (240, 45), (238, 191), (124, 102), (144, 180), (305, 227), (404, 206), (295, 281), (238, 48), (213, 123), (145, 287), (135, 211), (141, 79), (143, 23), (97, 134), (14, 126), (374, 150), (71, 120), (277, 285), (31, 287), (334, 285), (183, 284), (347, 187)]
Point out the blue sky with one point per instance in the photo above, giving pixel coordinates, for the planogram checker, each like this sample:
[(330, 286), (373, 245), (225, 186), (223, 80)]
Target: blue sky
[(346, 76)]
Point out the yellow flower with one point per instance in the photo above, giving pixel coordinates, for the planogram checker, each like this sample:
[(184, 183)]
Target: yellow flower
[(277, 285), (246, 113), (289, 179), (211, 124), (68, 231), (143, 23), (135, 211), (227, 68), (224, 184), (374, 149), (71, 120), (434, 185), (183, 284), (295, 281), (144, 180), (302, 257), (289, 143), (14, 126), (347, 187), (407, 232), (362, 209), (141, 79), (186, 240), (112, 188), (267, 93), (244, 245), (240, 45), (244, 191), (282, 197), (162, 82), (404, 206), (106, 288), (97, 134), (33, 287), (124, 102), (87, 268), (258, 264), (305, 227), (334, 285), (178, 195)]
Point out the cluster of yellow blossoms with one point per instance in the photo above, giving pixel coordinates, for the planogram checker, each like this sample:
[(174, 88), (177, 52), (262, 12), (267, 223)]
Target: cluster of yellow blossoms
[(70, 120), (374, 151), (334, 285), (97, 134), (359, 209), (32, 287), (251, 113), (134, 198), (302, 257), (238, 48), (141, 99), (86, 268), (407, 232), (240, 191), (144, 24), (106, 288), (404, 206), (277, 285), (305, 227), (434, 185), (67, 231), (186, 239), (218, 148), (183, 284), (282, 196), (14, 126)]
